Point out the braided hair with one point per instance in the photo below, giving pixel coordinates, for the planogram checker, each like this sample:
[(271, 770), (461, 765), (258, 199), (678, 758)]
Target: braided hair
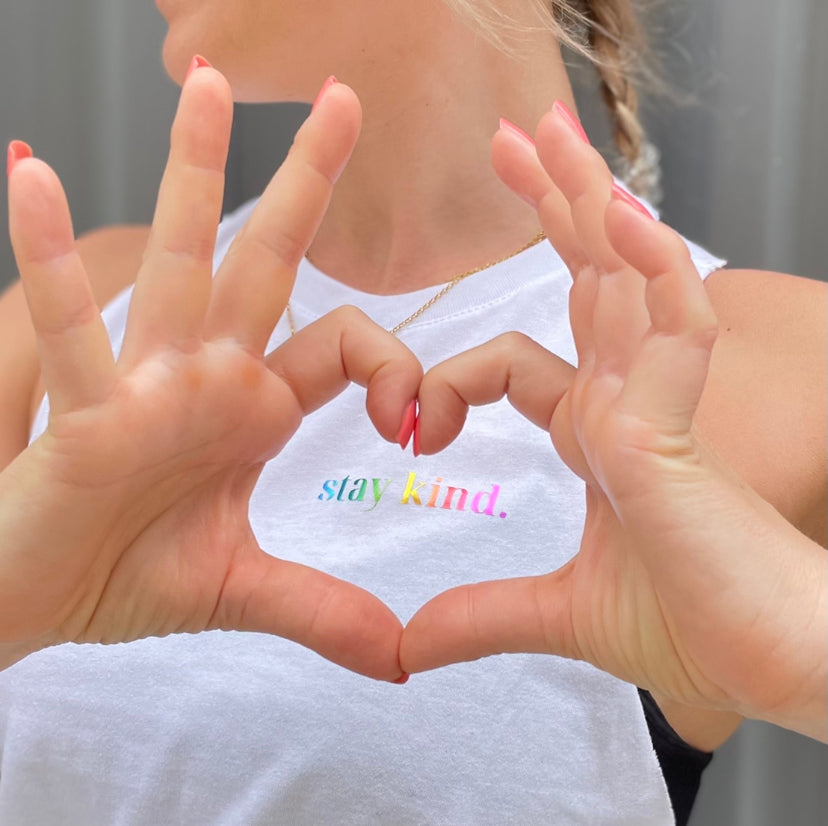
[(615, 38)]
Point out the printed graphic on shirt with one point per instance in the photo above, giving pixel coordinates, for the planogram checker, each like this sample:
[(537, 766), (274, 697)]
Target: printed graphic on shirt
[(413, 492)]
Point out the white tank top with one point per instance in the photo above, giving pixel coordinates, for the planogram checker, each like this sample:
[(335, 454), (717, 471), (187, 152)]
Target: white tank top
[(232, 728)]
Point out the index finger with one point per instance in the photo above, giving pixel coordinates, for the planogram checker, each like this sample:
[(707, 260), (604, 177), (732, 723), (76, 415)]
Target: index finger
[(346, 346), (256, 278), (512, 365)]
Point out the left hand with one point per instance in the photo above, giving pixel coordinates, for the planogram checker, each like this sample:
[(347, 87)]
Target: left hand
[(685, 579)]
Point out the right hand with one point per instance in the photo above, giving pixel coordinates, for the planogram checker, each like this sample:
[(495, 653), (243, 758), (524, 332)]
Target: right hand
[(128, 518)]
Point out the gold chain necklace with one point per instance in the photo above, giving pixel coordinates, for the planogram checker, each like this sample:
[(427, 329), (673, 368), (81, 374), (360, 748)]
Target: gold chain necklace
[(443, 290)]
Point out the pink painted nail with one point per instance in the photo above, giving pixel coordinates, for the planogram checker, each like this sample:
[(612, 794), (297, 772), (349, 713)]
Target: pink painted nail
[(510, 127), (620, 194), (570, 118), (417, 450), (17, 151), (198, 62), (407, 427), (401, 680), (325, 86)]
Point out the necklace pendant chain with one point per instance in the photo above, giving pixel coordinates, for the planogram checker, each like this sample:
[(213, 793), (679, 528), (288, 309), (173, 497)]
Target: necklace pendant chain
[(443, 290)]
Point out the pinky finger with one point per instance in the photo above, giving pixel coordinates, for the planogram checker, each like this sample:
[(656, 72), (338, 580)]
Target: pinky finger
[(76, 358)]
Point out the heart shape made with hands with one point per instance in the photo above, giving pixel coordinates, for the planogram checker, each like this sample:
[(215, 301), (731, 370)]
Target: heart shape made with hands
[(129, 516)]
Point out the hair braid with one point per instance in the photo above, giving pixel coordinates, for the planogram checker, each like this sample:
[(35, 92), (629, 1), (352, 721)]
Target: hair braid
[(613, 30), (615, 40)]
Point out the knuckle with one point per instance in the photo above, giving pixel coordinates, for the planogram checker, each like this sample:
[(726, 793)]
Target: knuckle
[(581, 198), (473, 620), (316, 175), (708, 331), (58, 323), (207, 169), (196, 250), (281, 244), (508, 344), (299, 156), (675, 247), (349, 316)]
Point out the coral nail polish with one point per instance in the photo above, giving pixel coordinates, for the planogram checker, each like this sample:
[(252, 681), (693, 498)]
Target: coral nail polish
[(516, 130), (325, 86), (571, 120), (620, 194), (198, 62), (17, 151), (407, 427), (417, 450), (401, 680)]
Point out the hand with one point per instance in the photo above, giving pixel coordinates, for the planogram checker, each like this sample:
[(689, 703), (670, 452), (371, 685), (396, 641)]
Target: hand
[(129, 517), (686, 582)]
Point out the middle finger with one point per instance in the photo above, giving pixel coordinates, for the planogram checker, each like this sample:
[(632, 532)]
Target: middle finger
[(173, 288), (583, 177)]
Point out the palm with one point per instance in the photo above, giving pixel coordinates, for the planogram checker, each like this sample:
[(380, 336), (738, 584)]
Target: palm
[(622, 422), (618, 619), (129, 516), (170, 458)]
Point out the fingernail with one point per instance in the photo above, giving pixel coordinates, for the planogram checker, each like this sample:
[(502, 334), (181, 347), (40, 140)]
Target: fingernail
[(620, 194), (510, 127), (407, 427), (401, 680), (198, 62), (417, 437), (17, 151), (571, 120), (325, 86)]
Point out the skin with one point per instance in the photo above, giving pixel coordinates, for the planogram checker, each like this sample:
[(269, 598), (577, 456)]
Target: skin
[(686, 583), (110, 535), (387, 230)]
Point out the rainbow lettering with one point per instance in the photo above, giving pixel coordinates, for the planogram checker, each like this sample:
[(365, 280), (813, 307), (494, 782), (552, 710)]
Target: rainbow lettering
[(415, 493)]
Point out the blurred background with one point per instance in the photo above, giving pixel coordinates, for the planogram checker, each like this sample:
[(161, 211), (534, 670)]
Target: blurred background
[(743, 139)]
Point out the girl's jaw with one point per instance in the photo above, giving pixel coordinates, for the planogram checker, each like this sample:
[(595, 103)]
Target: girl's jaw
[(282, 50)]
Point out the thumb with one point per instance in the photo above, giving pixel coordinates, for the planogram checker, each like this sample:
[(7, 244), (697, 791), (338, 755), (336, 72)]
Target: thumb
[(527, 614), (339, 620)]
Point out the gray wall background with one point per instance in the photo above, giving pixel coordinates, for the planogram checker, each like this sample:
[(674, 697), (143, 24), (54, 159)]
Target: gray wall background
[(745, 173)]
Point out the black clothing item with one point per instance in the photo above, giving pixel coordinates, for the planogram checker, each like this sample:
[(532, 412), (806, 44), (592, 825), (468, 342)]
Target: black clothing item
[(681, 763)]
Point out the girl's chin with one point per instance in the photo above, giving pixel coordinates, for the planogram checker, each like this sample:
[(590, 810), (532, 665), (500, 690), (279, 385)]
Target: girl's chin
[(175, 61), (185, 37), (166, 7)]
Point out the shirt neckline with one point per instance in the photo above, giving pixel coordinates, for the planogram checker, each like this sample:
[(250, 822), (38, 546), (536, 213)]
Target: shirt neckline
[(316, 293)]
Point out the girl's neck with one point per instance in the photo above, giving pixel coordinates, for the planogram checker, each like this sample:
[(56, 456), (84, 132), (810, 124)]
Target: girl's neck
[(419, 202)]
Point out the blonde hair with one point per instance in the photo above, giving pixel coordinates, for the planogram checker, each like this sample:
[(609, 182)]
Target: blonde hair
[(609, 34)]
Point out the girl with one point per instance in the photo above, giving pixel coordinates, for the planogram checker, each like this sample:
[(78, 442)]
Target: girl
[(144, 530)]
